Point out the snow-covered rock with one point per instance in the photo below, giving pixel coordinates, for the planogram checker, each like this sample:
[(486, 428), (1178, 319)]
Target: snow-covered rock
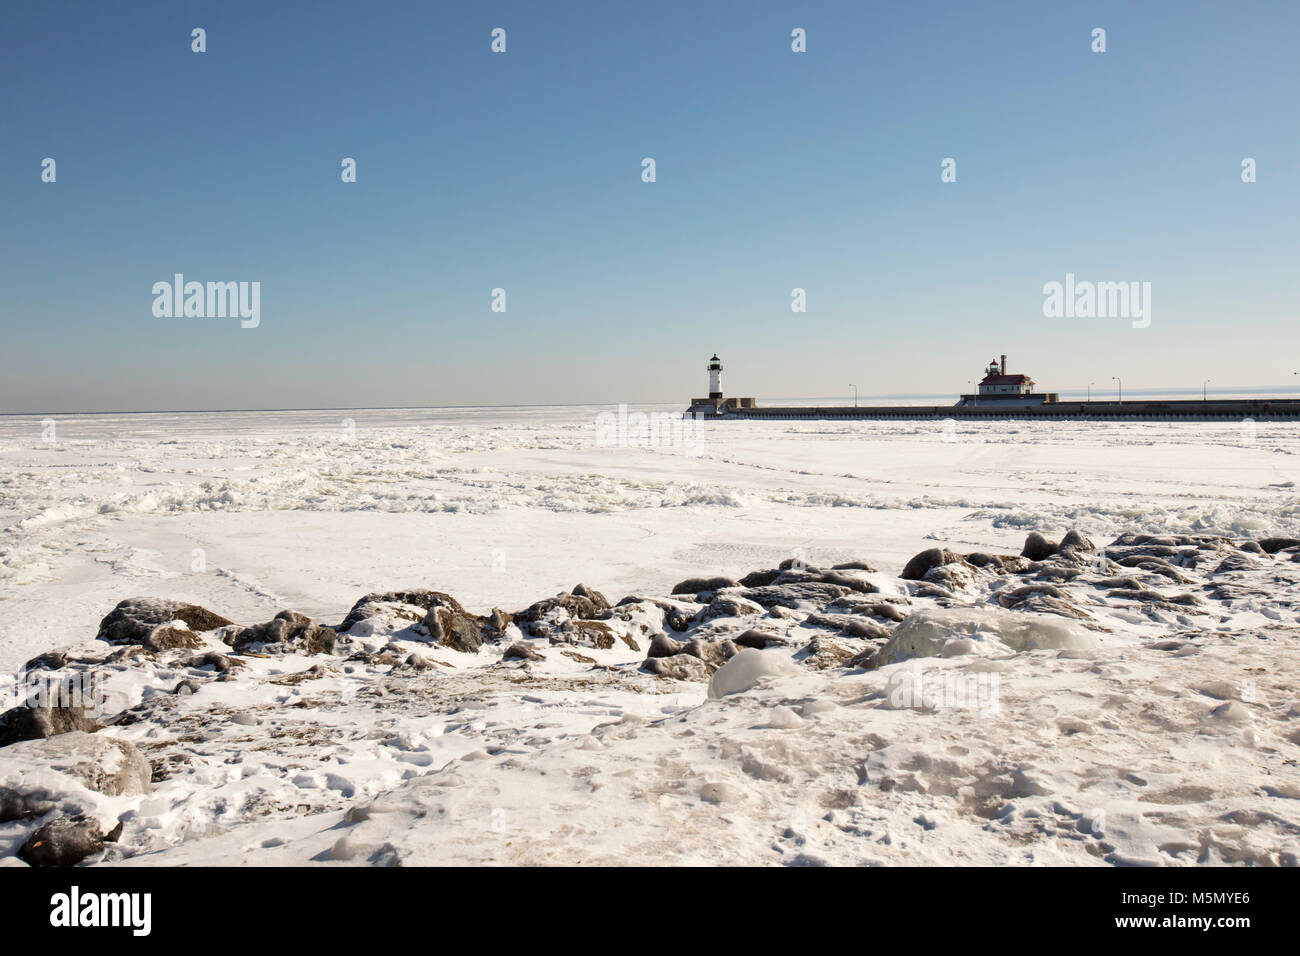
[(984, 631), (108, 765), (746, 669)]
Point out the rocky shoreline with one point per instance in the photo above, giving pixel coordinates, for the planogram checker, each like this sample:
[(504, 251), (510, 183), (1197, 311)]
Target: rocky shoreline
[(188, 691)]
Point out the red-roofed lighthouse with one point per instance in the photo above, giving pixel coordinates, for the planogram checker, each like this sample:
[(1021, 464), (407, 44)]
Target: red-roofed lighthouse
[(997, 387), (997, 382)]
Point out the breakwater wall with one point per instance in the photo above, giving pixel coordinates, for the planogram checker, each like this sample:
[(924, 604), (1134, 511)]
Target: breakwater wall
[(1173, 410)]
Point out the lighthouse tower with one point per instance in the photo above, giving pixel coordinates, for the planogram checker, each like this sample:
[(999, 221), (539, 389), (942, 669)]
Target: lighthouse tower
[(715, 377), (715, 405)]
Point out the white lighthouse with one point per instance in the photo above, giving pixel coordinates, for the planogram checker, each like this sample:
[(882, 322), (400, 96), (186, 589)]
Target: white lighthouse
[(715, 404)]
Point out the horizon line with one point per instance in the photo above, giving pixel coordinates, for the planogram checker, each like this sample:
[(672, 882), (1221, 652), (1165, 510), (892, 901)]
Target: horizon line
[(392, 408)]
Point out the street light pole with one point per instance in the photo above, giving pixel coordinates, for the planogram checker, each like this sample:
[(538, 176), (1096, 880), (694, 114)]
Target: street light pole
[(855, 394), (1203, 384), (1090, 385), (1121, 388)]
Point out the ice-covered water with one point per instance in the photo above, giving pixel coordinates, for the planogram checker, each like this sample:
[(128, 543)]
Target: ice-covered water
[(256, 510)]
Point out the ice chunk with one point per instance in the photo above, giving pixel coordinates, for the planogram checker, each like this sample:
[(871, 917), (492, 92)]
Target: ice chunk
[(958, 632), (783, 718), (746, 669)]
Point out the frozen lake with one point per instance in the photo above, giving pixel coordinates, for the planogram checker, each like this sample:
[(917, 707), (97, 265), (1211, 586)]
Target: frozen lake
[(255, 511)]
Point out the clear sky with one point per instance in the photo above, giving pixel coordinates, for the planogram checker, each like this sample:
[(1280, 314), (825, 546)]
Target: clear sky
[(523, 171)]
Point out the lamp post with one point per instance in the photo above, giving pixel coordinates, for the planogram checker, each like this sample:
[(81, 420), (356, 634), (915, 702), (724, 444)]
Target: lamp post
[(974, 395), (1203, 384), (855, 394), (1121, 388), (1090, 385)]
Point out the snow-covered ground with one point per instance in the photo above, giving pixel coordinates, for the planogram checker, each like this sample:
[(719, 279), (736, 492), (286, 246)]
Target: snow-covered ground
[(1147, 729)]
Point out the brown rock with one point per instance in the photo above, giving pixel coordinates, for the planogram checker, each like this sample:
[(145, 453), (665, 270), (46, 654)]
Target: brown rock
[(421, 598), (287, 632), (930, 558), (696, 585), (454, 628), (167, 637), (64, 841), (134, 619), (37, 723), (1037, 547)]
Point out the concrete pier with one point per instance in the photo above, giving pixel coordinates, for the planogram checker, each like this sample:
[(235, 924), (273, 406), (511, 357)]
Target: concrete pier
[(1172, 410)]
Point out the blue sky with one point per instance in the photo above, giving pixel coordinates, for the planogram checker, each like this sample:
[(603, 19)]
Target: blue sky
[(522, 170)]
